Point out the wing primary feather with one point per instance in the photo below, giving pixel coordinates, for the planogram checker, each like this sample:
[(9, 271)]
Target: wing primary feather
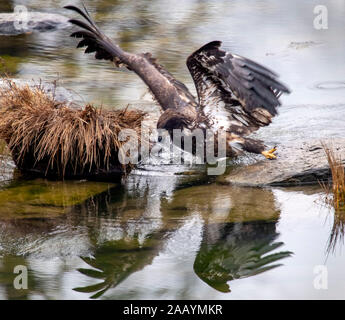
[(245, 62), (82, 25), (273, 83), (83, 34), (95, 40), (86, 15)]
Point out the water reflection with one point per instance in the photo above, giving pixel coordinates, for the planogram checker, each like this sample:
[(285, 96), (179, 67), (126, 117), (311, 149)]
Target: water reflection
[(337, 234), (119, 231), (228, 250), (115, 260), (239, 250)]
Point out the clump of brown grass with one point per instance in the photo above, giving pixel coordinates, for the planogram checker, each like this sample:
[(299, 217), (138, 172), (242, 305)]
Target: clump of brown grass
[(335, 197), (336, 192), (45, 135)]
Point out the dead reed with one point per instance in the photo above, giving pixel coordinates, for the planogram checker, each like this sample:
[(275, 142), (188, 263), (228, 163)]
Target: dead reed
[(44, 135), (335, 193), (335, 197)]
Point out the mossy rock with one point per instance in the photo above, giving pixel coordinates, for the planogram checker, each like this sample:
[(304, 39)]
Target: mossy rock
[(42, 198)]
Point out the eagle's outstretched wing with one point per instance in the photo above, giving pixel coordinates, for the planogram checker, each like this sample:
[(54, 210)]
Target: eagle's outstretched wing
[(235, 93), (169, 92)]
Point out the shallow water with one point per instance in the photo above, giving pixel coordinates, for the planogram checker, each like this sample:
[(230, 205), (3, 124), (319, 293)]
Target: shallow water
[(156, 237), (162, 235)]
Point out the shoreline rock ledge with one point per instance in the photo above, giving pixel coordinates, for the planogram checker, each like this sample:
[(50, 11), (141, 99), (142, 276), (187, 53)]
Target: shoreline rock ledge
[(301, 163), (15, 23)]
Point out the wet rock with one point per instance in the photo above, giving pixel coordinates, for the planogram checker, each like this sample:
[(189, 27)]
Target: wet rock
[(300, 163), (7, 167), (18, 23)]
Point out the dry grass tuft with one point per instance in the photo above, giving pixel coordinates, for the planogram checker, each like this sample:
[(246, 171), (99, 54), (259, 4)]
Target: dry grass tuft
[(335, 197), (336, 192), (46, 136)]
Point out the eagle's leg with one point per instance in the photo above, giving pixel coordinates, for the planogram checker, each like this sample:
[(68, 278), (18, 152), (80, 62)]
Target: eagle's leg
[(270, 154), (239, 144)]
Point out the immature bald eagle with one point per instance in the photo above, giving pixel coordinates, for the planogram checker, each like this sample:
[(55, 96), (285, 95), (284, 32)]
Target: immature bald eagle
[(235, 94)]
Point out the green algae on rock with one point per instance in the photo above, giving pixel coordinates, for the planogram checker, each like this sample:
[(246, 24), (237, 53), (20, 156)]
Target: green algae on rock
[(42, 198)]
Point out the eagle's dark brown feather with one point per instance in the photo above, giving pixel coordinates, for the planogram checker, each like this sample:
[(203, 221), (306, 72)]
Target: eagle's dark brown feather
[(235, 93), (181, 87)]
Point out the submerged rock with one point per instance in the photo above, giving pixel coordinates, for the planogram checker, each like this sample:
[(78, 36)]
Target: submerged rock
[(299, 163), (45, 199), (18, 23)]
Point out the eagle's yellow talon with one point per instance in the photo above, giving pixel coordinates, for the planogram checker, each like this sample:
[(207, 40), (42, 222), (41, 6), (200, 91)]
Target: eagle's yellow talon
[(270, 154)]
